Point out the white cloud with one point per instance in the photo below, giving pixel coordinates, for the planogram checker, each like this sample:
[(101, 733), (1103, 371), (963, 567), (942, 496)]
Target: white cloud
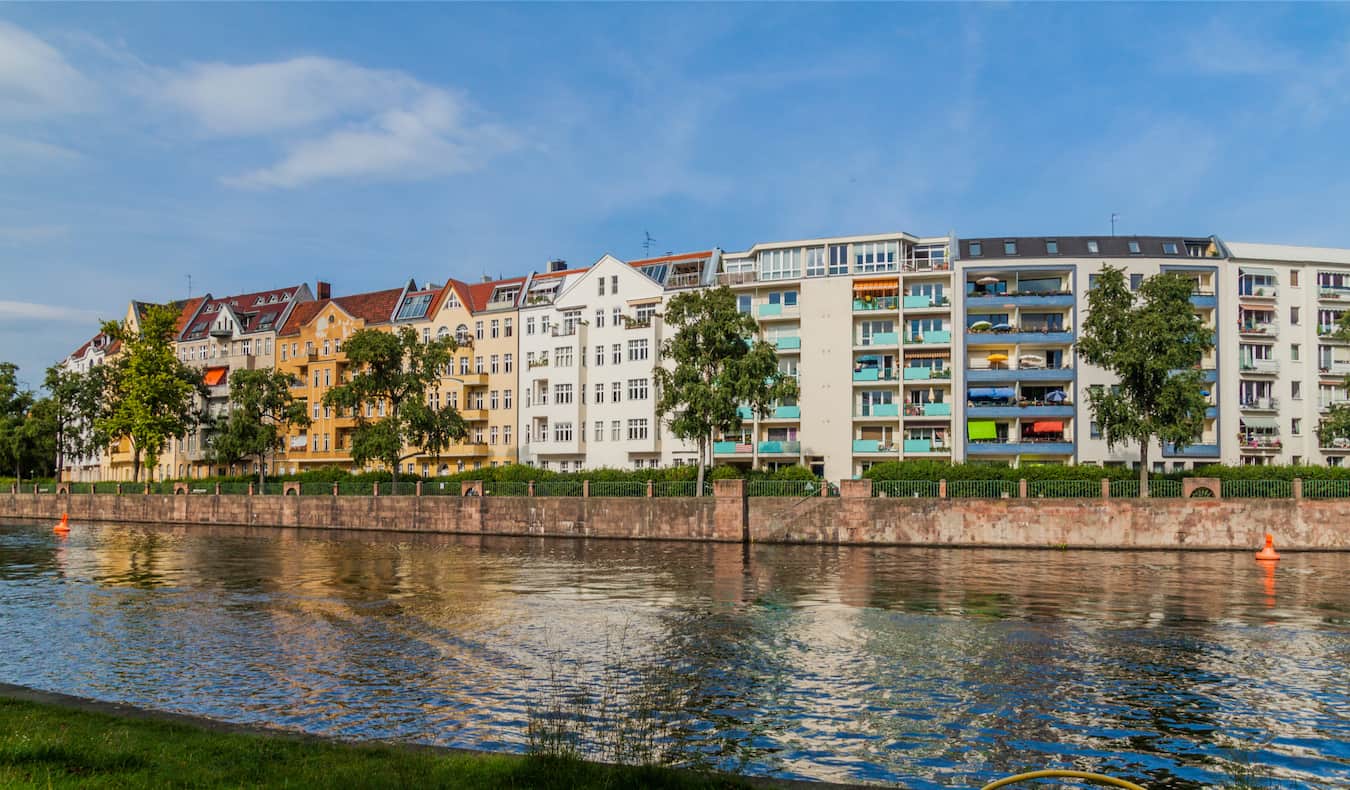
[(336, 120), (35, 79), (15, 311)]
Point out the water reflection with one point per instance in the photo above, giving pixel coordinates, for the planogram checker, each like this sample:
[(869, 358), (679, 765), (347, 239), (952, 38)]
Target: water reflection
[(934, 668)]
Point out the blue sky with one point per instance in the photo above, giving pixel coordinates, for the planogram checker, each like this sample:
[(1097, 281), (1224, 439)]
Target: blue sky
[(252, 146)]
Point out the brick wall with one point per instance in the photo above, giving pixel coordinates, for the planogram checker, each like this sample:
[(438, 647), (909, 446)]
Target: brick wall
[(730, 516)]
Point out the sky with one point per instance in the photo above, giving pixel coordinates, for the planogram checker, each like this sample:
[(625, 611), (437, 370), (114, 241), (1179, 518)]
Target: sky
[(255, 146)]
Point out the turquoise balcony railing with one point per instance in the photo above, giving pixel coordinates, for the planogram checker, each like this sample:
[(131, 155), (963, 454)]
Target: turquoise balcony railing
[(780, 448), (918, 374), (918, 445), (781, 343), (745, 412), (866, 446), (931, 336), (770, 309), (928, 410), (880, 339), (787, 413), (879, 410), (918, 302), (868, 374)]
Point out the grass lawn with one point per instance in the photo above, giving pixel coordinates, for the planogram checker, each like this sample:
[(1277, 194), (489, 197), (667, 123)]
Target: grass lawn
[(45, 745)]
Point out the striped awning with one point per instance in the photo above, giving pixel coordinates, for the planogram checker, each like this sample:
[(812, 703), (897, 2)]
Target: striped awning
[(1264, 423), (1257, 271), (928, 355), (876, 286)]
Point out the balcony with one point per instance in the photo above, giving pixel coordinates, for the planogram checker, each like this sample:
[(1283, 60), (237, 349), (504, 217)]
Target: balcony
[(467, 450), (785, 413), (876, 374), (684, 280), (478, 379), (745, 412), (1019, 448), (930, 338), (1337, 368), (737, 278), (1330, 293), (877, 410), (733, 448), (864, 446), (1339, 444), (1201, 450), (542, 362), (1260, 367), (928, 410), (880, 339), (925, 446), (1063, 411), (1258, 328), (1264, 292), (1204, 301), (778, 312), (1260, 444), (975, 375), (1260, 404), (923, 302), (474, 415), (1047, 299), (221, 332), (1039, 337), (876, 303), (780, 448)]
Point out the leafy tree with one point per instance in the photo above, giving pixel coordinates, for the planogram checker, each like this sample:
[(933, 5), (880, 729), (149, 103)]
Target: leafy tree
[(1336, 424), (394, 369), (148, 395), (1153, 344), (262, 411), (74, 404), (434, 429), (15, 402), (714, 370)]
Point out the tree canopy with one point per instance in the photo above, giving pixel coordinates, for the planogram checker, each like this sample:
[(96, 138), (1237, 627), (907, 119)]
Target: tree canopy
[(395, 369), (15, 403), (712, 366), (262, 410), (1154, 343)]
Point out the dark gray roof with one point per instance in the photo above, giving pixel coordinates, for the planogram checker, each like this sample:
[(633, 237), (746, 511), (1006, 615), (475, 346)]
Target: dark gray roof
[(1077, 247)]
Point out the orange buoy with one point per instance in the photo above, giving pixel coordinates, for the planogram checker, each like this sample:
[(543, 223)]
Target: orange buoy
[(64, 525), (1268, 552)]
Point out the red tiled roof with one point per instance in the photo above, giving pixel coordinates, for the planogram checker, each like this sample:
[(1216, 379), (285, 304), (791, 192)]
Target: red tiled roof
[(474, 297), (244, 306), (375, 307)]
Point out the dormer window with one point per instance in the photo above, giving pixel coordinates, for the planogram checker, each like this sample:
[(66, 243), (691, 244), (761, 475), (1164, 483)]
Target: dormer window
[(976, 249), (1051, 247), (1169, 248), (1093, 248), (1134, 248), (259, 300), (1009, 248)]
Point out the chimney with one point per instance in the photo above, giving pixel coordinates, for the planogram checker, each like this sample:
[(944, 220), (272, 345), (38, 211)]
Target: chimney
[(323, 290), (557, 265)]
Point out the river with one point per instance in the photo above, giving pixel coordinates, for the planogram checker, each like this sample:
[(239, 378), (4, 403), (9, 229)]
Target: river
[(921, 667)]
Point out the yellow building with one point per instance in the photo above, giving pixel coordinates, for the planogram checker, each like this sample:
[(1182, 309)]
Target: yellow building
[(481, 382), (309, 347)]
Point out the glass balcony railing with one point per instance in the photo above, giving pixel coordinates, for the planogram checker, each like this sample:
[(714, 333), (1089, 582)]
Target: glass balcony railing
[(868, 303), (878, 410), (930, 337), (780, 448), (875, 374), (928, 410)]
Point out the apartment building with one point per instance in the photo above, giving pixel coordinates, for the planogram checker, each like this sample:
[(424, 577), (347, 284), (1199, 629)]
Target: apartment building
[(590, 344), (1025, 298), (221, 336), (309, 348), (94, 352), (864, 324), (481, 380)]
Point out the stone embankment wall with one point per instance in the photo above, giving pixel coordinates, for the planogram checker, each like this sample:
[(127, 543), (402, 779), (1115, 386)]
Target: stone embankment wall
[(855, 517)]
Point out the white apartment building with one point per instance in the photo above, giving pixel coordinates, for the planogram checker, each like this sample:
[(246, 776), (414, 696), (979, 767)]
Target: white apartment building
[(864, 323), (589, 344), (85, 468)]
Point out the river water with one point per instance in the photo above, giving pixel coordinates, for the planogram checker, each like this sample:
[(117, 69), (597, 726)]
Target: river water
[(920, 667)]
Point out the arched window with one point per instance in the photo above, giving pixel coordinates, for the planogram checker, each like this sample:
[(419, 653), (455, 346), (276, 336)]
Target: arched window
[(443, 333), (462, 335)]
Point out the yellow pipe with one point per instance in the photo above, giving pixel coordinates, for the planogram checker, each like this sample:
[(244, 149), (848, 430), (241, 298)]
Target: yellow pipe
[(1051, 773)]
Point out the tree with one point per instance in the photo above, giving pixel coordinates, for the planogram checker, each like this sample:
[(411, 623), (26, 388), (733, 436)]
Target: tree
[(434, 429), (393, 369), (149, 395), (262, 411), (15, 402), (714, 370), (74, 404), (1154, 344)]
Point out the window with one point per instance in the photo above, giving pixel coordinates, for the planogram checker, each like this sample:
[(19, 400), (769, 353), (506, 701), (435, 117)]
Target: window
[(599, 430), (600, 319), (327, 377), (506, 327), (838, 259), (1293, 315), (976, 249), (495, 330), (529, 325), (1009, 248), (316, 412), (614, 285), (1296, 390), (780, 264), (599, 392), (600, 355), (617, 354), (477, 364), (562, 431), (1293, 352), (1095, 430), (637, 389), (492, 399), (815, 262), (492, 364), (615, 431), (506, 399), (1293, 278), (1136, 280), (283, 352), (562, 393), (1051, 247), (1134, 248), (562, 356), (492, 435), (477, 399), (637, 428), (1092, 282), (877, 256), (478, 329), (616, 391), (645, 313), (744, 303), (506, 433), (426, 334), (601, 283), (1092, 247), (316, 378), (1169, 248), (637, 350), (1296, 428), (507, 363), (463, 366)]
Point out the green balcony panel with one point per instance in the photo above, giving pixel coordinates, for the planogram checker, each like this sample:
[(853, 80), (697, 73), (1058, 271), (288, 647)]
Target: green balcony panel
[(885, 410), (918, 445), (867, 374), (937, 410), (981, 429), (771, 447), (938, 336), (787, 342), (770, 309), (724, 447), (787, 413), (866, 446), (918, 302), (745, 412), (918, 374), (884, 339)]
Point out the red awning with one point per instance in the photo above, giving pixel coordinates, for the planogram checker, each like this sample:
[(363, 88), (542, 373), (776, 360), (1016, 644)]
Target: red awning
[(1047, 426), (214, 376)]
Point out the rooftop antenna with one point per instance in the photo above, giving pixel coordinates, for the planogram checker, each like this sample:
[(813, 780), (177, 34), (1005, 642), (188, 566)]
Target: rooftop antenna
[(647, 244), (189, 286), (1114, 216)]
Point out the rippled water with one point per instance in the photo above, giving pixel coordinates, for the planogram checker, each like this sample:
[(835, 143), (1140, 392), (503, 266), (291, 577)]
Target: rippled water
[(924, 667)]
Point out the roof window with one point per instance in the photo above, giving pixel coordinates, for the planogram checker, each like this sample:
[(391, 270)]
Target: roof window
[(1169, 248), (976, 249), (1092, 247), (1051, 247), (1009, 248), (1134, 248)]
